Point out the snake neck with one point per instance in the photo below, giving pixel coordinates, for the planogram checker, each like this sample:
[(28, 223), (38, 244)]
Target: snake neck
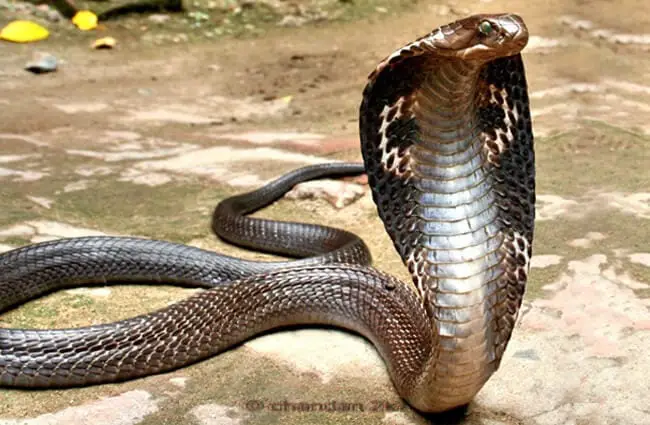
[(447, 171), (455, 261)]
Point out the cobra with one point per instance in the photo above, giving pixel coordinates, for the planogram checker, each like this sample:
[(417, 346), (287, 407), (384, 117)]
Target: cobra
[(447, 144)]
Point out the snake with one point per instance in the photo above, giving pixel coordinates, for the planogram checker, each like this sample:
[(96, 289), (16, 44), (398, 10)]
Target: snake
[(447, 145)]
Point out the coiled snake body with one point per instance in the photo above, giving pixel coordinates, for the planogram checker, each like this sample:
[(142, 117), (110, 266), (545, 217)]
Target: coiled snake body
[(448, 147)]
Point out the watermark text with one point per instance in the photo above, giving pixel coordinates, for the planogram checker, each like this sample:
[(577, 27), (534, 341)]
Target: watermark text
[(291, 406)]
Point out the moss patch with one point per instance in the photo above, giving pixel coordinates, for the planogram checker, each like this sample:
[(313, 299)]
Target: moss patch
[(594, 156), (175, 211), (639, 273)]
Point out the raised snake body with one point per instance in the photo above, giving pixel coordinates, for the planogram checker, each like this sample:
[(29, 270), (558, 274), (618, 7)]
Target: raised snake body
[(448, 147)]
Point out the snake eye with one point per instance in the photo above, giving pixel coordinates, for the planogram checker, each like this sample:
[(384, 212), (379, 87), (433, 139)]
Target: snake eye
[(485, 27)]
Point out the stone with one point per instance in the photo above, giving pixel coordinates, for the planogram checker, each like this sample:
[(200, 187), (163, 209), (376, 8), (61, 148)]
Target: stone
[(42, 63), (159, 18)]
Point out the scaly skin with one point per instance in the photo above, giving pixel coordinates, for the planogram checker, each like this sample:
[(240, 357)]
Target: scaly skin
[(448, 147)]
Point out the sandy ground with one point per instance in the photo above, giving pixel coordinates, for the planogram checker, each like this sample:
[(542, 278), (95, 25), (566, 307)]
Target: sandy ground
[(145, 140)]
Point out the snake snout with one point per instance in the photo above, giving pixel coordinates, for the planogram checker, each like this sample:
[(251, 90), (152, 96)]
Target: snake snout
[(516, 32), (508, 35)]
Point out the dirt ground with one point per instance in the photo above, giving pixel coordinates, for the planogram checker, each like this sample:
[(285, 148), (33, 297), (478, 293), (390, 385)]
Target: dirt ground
[(145, 139)]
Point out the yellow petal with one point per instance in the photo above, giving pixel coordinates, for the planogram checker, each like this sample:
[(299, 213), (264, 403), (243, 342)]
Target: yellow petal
[(286, 99), (104, 43), (85, 20), (23, 32)]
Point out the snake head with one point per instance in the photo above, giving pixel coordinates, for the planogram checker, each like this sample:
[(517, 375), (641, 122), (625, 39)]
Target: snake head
[(480, 37)]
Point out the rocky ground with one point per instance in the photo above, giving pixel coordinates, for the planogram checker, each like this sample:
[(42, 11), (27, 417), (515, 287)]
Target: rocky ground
[(146, 138)]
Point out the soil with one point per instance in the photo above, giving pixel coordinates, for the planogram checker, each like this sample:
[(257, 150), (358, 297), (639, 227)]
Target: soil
[(145, 138)]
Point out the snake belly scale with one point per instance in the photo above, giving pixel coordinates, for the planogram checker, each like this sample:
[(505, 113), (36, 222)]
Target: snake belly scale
[(447, 144)]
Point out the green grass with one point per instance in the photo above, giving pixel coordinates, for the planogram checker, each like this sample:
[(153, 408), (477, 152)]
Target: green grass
[(48, 312), (16, 207), (15, 241), (176, 211)]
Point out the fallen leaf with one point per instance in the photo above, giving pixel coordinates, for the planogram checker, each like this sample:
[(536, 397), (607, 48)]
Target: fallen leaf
[(23, 32), (85, 20), (104, 43)]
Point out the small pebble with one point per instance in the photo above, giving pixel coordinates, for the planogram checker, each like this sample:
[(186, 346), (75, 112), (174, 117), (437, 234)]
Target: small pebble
[(145, 92), (159, 18), (292, 21), (42, 63), (53, 16), (529, 354)]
